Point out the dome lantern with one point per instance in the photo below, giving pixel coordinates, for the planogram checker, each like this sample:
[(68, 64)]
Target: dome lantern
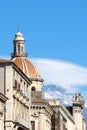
[(19, 45)]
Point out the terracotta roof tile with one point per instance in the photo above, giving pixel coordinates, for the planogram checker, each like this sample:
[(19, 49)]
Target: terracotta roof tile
[(26, 66)]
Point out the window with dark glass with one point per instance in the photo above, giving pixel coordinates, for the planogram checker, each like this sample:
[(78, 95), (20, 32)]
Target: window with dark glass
[(33, 89), (18, 48), (32, 125)]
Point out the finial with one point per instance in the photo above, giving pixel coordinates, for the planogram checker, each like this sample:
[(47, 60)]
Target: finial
[(18, 28)]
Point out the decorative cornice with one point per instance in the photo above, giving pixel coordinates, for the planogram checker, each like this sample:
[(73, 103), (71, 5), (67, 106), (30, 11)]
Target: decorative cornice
[(3, 97)]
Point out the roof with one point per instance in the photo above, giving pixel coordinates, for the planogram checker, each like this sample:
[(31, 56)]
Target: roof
[(27, 67), (58, 104), (42, 103), (19, 36), (4, 62)]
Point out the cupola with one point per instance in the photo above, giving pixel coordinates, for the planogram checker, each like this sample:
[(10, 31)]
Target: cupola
[(19, 45), (20, 59)]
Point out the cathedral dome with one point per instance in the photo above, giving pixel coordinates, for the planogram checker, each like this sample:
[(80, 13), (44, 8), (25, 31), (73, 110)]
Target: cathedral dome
[(19, 57), (26, 66)]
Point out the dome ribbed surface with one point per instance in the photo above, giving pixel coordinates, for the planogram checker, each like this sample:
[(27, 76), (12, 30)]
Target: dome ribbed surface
[(26, 66)]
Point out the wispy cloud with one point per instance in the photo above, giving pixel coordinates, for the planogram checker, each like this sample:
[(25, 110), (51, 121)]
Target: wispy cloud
[(68, 75), (5, 57), (61, 73)]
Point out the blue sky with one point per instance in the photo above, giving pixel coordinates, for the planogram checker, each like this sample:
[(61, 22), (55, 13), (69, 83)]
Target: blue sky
[(55, 30), (52, 29)]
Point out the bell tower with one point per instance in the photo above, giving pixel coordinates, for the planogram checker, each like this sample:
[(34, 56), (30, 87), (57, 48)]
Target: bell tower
[(78, 105), (19, 45)]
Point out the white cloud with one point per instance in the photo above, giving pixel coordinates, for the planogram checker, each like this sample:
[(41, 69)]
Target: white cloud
[(70, 76), (5, 57), (61, 73)]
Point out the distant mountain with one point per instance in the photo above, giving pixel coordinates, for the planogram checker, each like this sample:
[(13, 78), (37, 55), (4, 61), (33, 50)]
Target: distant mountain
[(58, 92)]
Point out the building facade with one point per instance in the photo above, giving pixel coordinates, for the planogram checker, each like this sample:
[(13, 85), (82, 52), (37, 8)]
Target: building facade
[(17, 90), (70, 117), (78, 105), (38, 110), (41, 115), (3, 100), (26, 108)]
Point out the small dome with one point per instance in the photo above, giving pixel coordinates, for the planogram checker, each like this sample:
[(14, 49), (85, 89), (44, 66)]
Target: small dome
[(27, 67), (20, 59), (18, 36)]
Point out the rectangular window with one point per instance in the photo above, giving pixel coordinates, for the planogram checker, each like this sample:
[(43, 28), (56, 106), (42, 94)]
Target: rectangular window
[(18, 48), (32, 125)]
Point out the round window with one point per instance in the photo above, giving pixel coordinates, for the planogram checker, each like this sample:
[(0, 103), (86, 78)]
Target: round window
[(33, 89)]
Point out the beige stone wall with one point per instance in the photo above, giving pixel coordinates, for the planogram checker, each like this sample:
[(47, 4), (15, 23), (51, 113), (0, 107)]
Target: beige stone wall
[(21, 101), (69, 124), (38, 90), (77, 114), (62, 117), (17, 105), (41, 117), (1, 115), (2, 80), (37, 85), (84, 124)]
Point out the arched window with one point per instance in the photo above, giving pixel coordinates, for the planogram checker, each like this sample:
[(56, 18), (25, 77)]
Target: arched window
[(33, 89), (18, 48)]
